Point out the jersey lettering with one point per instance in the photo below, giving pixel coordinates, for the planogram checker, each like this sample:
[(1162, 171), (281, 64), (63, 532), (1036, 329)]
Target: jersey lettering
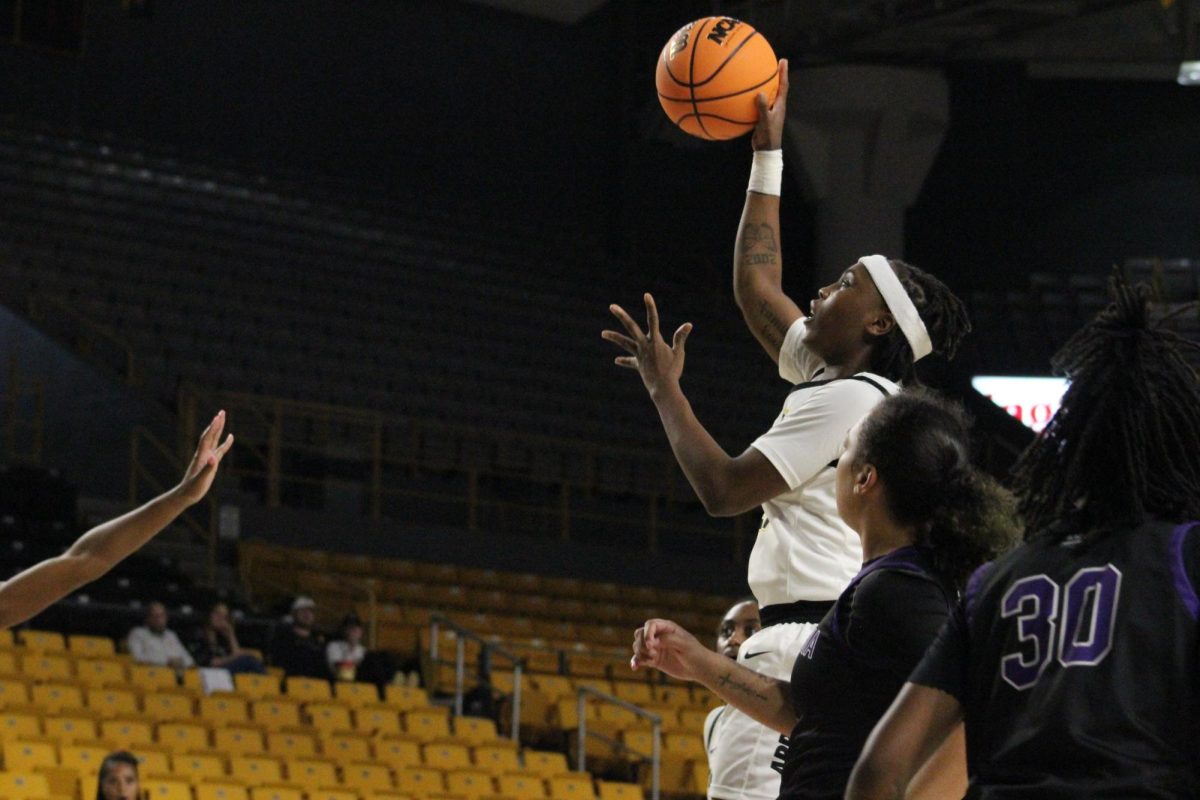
[(1084, 625), (780, 755)]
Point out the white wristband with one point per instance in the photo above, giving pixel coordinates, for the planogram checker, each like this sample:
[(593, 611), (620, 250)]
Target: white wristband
[(766, 172)]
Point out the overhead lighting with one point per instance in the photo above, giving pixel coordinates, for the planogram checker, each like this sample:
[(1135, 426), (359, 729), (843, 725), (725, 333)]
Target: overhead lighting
[(1189, 73)]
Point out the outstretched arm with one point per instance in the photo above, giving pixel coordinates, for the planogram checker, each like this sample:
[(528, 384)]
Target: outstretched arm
[(757, 256), (101, 548), (727, 486), (912, 730), (666, 646)]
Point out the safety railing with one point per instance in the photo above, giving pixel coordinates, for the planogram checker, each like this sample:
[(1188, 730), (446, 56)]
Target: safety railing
[(582, 694), (461, 637)]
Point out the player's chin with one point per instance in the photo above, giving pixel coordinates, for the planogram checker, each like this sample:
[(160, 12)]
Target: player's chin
[(730, 654)]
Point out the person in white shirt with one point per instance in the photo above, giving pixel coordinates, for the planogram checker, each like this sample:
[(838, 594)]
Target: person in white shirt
[(155, 643), (860, 340), (728, 748), (345, 653)]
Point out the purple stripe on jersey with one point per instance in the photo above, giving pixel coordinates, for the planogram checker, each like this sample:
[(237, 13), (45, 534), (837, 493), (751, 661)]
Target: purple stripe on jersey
[(1187, 592), (972, 590)]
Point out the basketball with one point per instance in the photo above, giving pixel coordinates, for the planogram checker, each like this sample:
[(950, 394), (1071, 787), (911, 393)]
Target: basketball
[(709, 74)]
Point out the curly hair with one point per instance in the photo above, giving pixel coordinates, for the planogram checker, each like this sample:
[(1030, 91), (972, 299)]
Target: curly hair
[(943, 313), (1123, 445), (919, 443)]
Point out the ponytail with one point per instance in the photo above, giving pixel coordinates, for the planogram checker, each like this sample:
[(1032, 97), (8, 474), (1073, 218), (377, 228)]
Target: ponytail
[(975, 522)]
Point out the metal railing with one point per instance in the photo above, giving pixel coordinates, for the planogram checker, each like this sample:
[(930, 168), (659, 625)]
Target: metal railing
[(461, 637), (582, 693)]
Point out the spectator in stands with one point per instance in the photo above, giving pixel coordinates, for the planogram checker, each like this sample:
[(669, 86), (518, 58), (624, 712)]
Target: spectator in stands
[(347, 652), (118, 778), (296, 647), (99, 550), (215, 644), (155, 643)]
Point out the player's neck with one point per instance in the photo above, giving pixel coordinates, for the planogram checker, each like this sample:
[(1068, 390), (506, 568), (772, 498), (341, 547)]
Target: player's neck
[(881, 534), (850, 366)]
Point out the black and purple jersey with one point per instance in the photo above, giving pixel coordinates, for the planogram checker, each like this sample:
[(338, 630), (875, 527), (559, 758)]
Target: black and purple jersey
[(1076, 664), (851, 668)]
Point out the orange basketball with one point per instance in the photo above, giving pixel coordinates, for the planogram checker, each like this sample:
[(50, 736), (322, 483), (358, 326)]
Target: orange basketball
[(709, 74)]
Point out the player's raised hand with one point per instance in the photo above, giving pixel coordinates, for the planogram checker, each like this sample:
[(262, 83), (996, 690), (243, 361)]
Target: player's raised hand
[(768, 133), (662, 644), (660, 364), (203, 468)]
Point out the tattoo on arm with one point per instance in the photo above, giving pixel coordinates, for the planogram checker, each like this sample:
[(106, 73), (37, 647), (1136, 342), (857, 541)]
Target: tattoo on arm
[(760, 237), (728, 680), (773, 329)]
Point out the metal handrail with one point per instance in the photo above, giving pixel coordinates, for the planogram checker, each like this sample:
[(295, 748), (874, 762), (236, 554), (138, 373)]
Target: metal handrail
[(582, 693), (461, 636)]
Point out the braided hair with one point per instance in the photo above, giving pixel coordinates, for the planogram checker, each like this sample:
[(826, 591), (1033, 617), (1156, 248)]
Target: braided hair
[(919, 443), (1125, 443), (944, 315)]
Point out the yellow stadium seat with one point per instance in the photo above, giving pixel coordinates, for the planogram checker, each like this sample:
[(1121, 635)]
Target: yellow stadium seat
[(197, 767), (112, 703), (419, 781), (152, 678), (698, 775), (356, 695), (621, 717), (378, 720), (471, 784), (275, 714), (475, 730), (427, 724), (546, 763), (346, 747), (693, 719), (638, 743), (398, 753), (405, 698), (496, 760), (636, 692), (312, 773), (275, 793), (65, 782), (97, 672), (83, 757), (91, 646), (686, 744), (572, 787), (671, 695), (613, 790), (307, 690), (71, 728), (239, 740), (182, 737), (331, 794), (288, 744), (255, 770), (7, 641), (27, 756), (54, 698), (446, 756), (554, 687), (128, 733), (14, 692), (168, 706), (224, 709), (10, 665), (522, 786), (23, 786), (220, 790), (328, 717), (157, 789), (20, 725), (44, 641), (368, 777), (674, 771), (256, 687), (153, 761), (48, 667)]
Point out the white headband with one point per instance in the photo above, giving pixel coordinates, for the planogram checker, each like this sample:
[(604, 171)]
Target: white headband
[(900, 304)]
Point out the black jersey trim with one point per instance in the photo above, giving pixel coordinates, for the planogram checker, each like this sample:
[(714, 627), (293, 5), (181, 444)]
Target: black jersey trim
[(800, 611), (860, 378), (713, 729)]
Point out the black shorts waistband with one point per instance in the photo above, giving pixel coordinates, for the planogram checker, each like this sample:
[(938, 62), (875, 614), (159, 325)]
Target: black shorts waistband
[(799, 611)]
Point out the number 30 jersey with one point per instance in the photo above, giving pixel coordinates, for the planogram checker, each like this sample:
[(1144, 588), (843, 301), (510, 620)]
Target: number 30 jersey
[(1077, 663)]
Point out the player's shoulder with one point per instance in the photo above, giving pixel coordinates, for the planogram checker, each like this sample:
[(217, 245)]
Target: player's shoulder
[(861, 389)]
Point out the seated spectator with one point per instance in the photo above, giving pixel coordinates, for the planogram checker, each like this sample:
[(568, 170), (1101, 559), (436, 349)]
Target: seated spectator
[(215, 645), (155, 643), (346, 652), (118, 778), (296, 647)]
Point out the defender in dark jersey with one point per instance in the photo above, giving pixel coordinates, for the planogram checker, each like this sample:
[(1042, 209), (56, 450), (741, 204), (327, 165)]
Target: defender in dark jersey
[(926, 519), (1075, 660)]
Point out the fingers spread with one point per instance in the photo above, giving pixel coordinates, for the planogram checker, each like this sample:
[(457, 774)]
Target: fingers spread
[(629, 345), (651, 315), (627, 321), (629, 362), (681, 336)]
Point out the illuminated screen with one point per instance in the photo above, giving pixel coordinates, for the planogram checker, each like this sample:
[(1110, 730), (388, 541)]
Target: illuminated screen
[(1031, 400)]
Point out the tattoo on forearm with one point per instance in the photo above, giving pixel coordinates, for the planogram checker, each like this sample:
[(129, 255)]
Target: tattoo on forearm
[(773, 329), (745, 688), (760, 238)]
